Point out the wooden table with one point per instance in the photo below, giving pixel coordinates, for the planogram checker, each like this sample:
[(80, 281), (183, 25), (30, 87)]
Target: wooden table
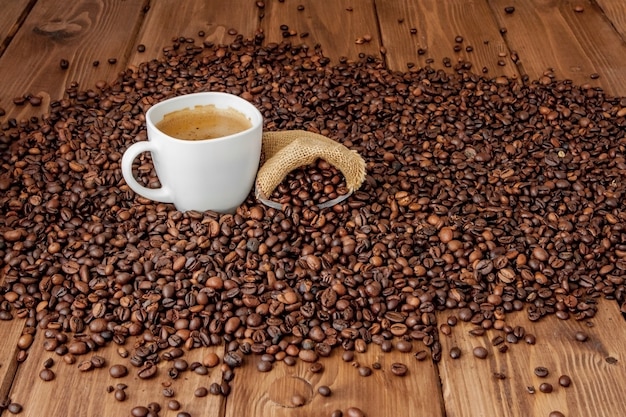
[(575, 39)]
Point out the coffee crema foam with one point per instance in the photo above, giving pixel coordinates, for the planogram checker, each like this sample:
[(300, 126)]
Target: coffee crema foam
[(203, 122)]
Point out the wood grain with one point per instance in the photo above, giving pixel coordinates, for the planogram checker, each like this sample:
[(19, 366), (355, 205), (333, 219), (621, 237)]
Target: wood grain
[(81, 32), (471, 388), (10, 332), (380, 394), (214, 18), (11, 18), (615, 12), (341, 27), (551, 34), (79, 393), (436, 24)]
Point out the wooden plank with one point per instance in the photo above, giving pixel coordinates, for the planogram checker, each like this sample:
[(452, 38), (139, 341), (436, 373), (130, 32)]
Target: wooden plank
[(418, 32), (471, 386), (380, 394), (80, 32), (11, 18), (11, 332), (214, 18), (343, 28), (79, 393), (551, 34), (615, 11)]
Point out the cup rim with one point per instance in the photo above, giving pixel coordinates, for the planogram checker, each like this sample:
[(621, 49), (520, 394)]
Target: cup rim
[(254, 115)]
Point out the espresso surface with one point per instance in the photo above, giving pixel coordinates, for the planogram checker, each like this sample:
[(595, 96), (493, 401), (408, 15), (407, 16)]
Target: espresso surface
[(203, 122)]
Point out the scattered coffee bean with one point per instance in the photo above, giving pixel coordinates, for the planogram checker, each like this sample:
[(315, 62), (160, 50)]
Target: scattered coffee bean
[(14, 408), (264, 366), (64, 64), (324, 391), (455, 352), (316, 367), (336, 413), (354, 412), (509, 9), (480, 352), (201, 392), (581, 337), (46, 374), (141, 48), (556, 414), (565, 381), (546, 387), (118, 371), (365, 370), (120, 395), (399, 369), (139, 411), (173, 405), (541, 371), (298, 400)]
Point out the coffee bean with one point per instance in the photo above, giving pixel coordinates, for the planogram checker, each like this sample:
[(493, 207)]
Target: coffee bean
[(581, 336), (201, 392), (546, 387), (264, 366), (120, 395), (480, 352), (509, 9), (364, 370), (316, 367), (14, 408), (336, 413), (298, 400), (455, 352), (541, 371), (118, 371), (183, 414), (354, 412), (139, 411), (556, 414), (565, 381), (147, 371), (324, 391), (46, 374), (399, 369), (64, 64), (141, 48)]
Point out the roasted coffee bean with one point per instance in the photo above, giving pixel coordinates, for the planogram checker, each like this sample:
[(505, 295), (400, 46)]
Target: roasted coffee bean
[(14, 408), (581, 336), (147, 371), (541, 371), (139, 411), (556, 414), (46, 374), (120, 395), (399, 369), (264, 366), (354, 412), (324, 391), (214, 389), (364, 370), (316, 367), (336, 413), (455, 352), (201, 392), (173, 405), (480, 352), (565, 381), (118, 371), (546, 387)]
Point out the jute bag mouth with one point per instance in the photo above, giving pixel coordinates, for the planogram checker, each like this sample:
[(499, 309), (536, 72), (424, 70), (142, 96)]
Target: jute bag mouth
[(287, 150)]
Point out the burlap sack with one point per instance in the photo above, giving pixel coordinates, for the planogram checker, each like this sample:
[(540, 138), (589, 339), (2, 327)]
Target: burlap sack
[(285, 151)]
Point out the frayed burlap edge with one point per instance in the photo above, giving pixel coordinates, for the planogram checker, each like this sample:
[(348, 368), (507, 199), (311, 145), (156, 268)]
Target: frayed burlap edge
[(285, 151)]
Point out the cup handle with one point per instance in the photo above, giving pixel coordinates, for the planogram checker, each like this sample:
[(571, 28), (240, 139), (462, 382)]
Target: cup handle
[(156, 194)]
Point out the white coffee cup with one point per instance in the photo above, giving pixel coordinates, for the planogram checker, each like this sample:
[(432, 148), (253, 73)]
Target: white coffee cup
[(210, 174)]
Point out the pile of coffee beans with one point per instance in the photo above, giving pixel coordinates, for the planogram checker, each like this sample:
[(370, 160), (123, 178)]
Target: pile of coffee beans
[(485, 196)]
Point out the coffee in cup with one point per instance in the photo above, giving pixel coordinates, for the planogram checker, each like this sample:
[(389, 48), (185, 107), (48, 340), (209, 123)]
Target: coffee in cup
[(206, 149)]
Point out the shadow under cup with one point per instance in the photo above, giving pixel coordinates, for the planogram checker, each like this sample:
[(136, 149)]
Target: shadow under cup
[(211, 174)]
